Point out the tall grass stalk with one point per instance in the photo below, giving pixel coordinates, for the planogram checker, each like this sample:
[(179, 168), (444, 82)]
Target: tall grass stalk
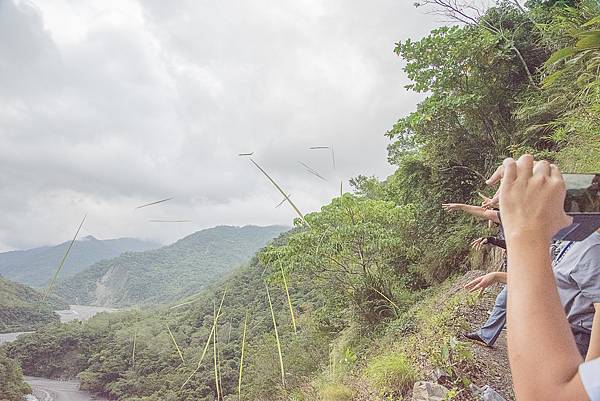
[(282, 192), (276, 336), (63, 260), (217, 383), (210, 336), (242, 357), (386, 298), (175, 343), (201, 358), (287, 293), (133, 348)]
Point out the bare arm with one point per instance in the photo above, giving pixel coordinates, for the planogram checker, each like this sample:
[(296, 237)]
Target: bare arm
[(594, 350), (476, 211), (531, 202)]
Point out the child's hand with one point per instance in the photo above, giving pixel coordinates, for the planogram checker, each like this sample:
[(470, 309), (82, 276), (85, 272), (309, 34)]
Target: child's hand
[(532, 198)]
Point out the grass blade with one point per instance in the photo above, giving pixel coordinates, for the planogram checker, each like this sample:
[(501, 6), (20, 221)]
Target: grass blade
[(201, 359), (175, 343), (154, 203), (64, 259), (217, 383), (242, 357), (133, 348), (212, 332), (282, 192), (386, 298), (287, 293), (276, 336)]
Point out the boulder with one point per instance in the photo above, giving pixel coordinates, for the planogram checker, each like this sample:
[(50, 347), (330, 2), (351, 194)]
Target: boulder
[(489, 394), (428, 391)]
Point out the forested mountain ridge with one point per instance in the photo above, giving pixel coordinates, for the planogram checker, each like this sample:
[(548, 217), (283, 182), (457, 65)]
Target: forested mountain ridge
[(22, 308), (168, 273), (35, 267)]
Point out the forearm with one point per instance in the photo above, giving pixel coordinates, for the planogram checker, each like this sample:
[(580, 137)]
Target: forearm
[(594, 350), (539, 334), (476, 211), (501, 277)]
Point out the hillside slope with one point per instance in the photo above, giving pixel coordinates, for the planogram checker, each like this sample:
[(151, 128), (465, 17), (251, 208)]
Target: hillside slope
[(167, 273), (22, 308), (34, 267)]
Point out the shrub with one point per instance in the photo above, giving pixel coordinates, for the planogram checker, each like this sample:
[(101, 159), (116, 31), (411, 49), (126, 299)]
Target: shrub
[(335, 392), (391, 373)]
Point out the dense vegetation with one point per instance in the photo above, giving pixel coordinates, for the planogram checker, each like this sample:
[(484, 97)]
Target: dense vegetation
[(35, 267), (12, 387), (366, 272), (168, 273), (23, 308)]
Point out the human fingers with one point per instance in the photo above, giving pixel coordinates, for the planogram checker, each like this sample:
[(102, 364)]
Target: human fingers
[(525, 166), (541, 168), (497, 176), (472, 283), (555, 174)]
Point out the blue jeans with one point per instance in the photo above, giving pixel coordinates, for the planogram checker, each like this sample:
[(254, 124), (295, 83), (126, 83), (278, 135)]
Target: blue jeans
[(492, 328)]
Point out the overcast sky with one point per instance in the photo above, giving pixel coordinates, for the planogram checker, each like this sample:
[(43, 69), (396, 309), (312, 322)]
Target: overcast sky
[(106, 105)]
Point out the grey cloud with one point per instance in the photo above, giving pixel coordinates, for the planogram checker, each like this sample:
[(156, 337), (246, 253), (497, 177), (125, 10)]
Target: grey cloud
[(155, 99)]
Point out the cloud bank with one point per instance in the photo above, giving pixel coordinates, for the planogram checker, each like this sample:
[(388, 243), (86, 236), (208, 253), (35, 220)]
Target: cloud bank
[(109, 105)]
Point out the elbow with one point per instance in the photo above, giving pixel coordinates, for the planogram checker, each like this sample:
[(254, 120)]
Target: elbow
[(547, 392)]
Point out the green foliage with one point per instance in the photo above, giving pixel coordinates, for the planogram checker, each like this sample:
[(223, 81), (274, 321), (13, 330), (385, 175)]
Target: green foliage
[(364, 275), (24, 309), (168, 273), (335, 392), (35, 267), (391, 373), (12, 386), (360, 245)]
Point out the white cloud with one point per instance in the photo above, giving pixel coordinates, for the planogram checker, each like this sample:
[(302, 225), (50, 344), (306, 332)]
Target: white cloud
[(107, 105)]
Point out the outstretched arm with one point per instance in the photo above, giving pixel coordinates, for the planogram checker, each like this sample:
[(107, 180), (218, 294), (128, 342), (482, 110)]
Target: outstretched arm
[(531, 203), (476, 211)]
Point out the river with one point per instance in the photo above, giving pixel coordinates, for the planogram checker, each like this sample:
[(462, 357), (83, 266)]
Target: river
[(59, 390)]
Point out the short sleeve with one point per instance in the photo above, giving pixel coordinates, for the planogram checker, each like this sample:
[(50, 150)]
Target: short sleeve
[(587, 273), (589, 373)]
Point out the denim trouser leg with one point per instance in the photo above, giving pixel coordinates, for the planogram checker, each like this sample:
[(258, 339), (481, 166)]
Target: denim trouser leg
[(495, 323)]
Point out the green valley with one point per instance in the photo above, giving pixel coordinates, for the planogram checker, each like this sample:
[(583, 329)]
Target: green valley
[(35, 267), (168, 273)]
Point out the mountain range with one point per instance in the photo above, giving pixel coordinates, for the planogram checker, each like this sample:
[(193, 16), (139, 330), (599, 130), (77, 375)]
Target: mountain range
[(168, 273), (35, 267)]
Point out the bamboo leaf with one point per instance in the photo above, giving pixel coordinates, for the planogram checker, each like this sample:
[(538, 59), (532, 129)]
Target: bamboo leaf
[(559, 55)]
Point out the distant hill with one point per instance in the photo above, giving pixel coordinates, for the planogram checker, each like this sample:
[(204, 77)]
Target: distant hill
[(35, 267), (22, 308), (168, 273)]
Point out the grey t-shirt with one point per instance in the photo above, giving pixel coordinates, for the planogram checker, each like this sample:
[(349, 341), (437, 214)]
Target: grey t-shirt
[(589, 373), (577, 274)]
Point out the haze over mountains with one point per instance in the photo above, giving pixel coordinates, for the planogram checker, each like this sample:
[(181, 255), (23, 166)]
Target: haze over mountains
[(168, 273), (35, 267)]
